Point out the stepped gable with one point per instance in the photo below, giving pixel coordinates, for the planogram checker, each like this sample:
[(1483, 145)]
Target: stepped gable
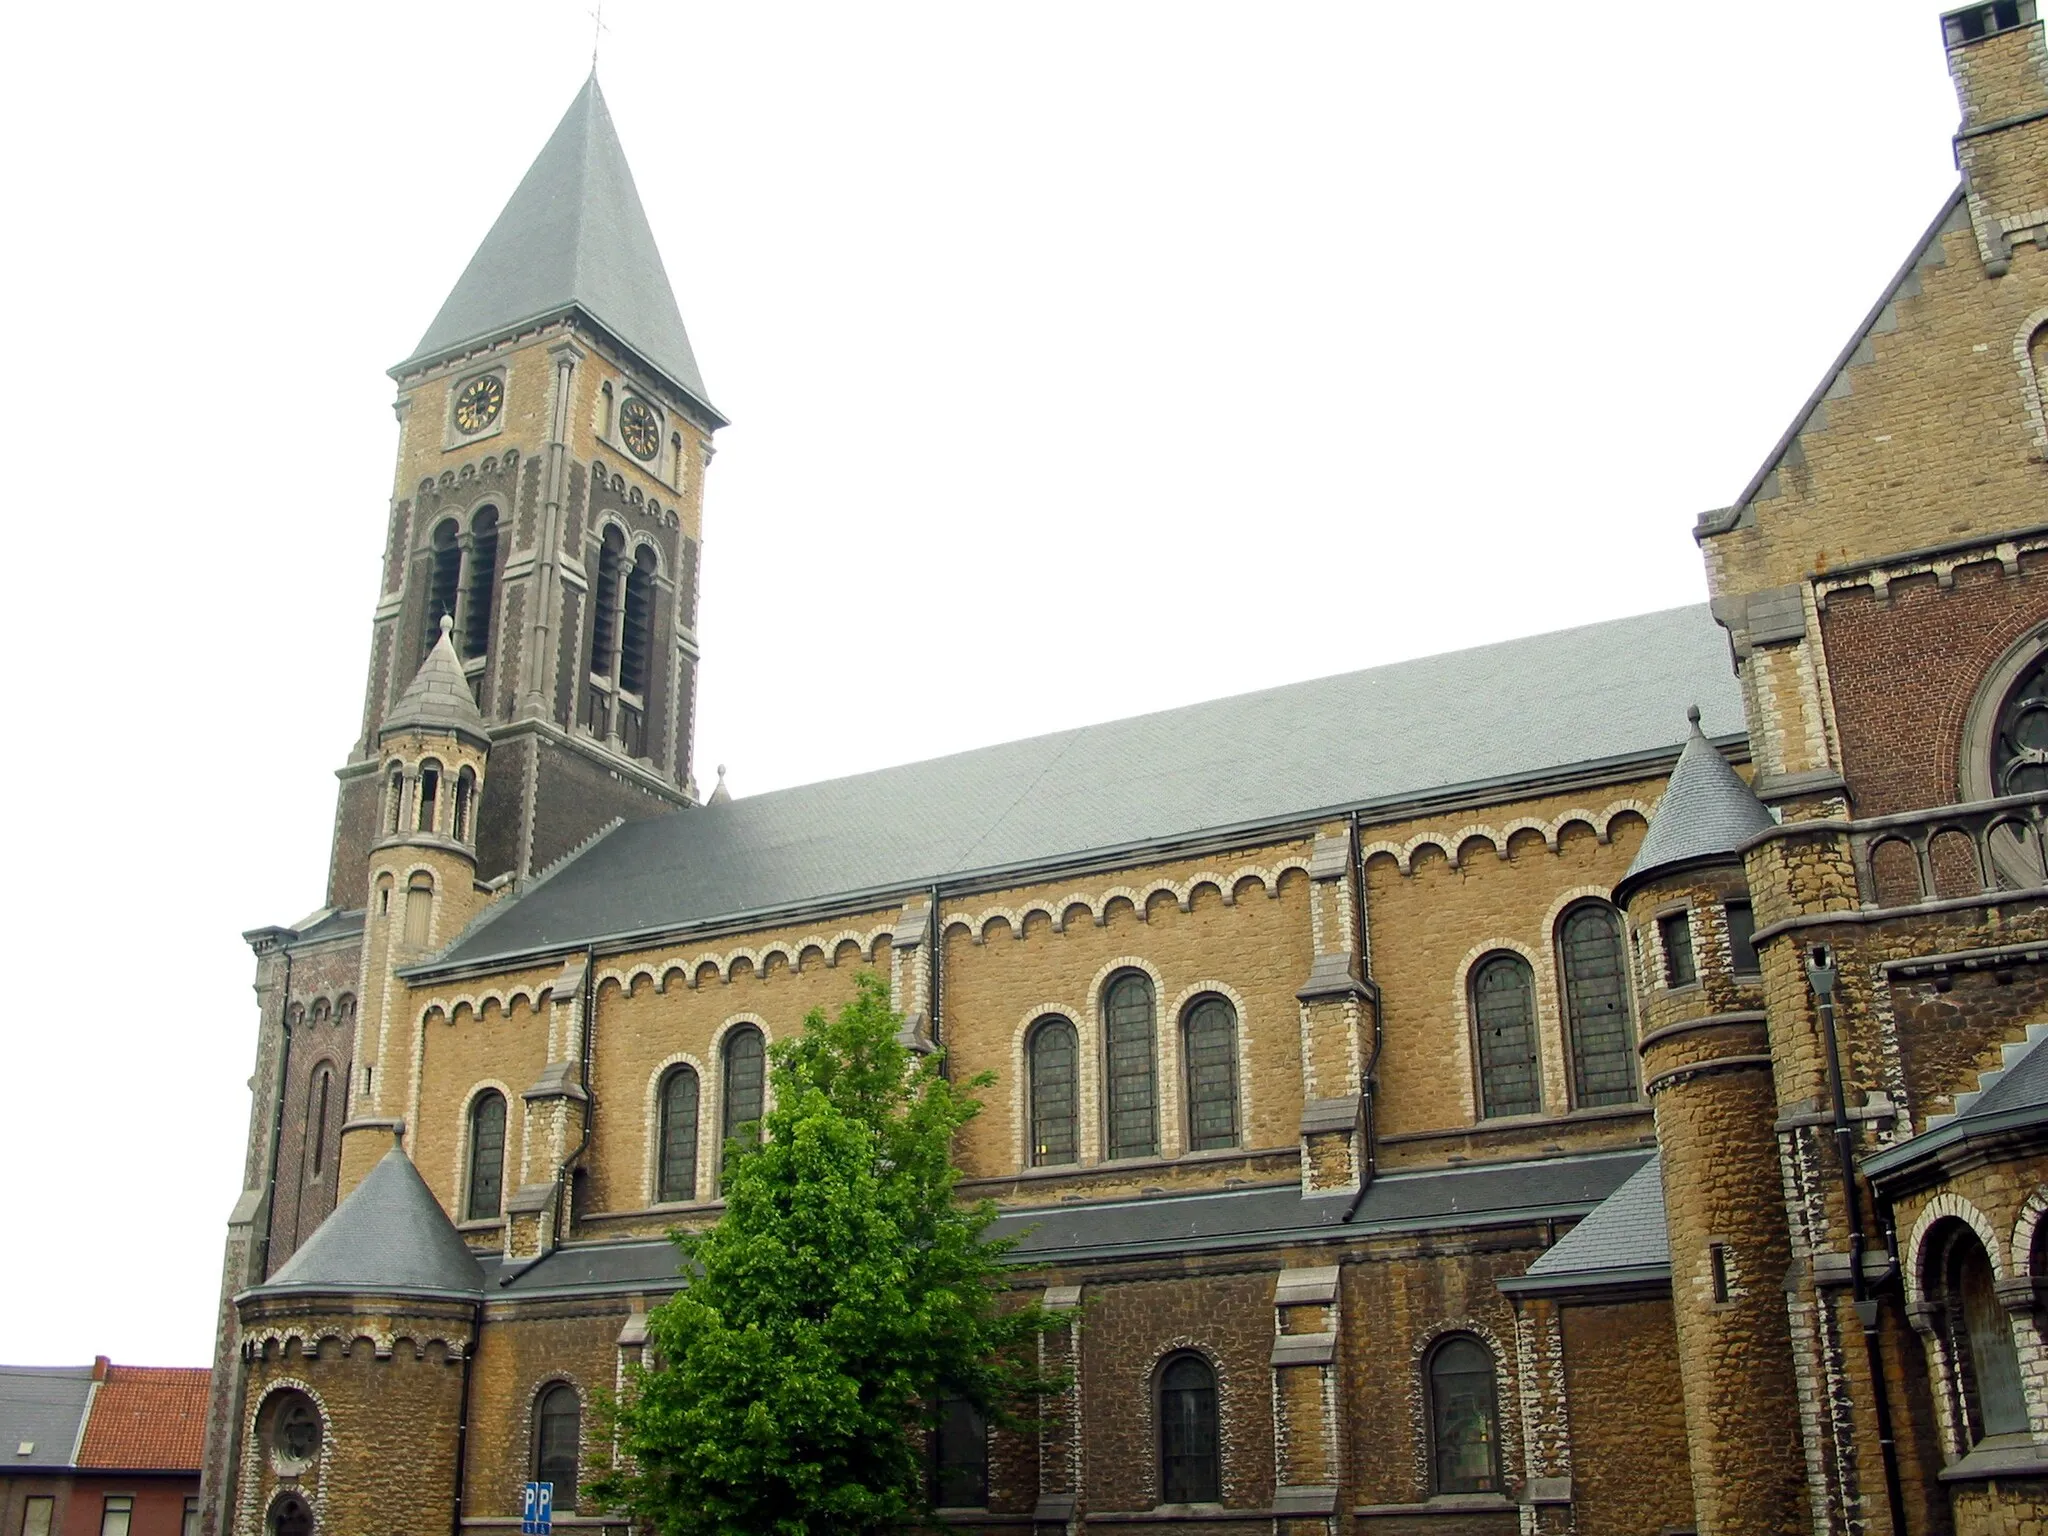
[(573, 237), (1520, 713), (438, 697), (1707, 813), (390, 1236)]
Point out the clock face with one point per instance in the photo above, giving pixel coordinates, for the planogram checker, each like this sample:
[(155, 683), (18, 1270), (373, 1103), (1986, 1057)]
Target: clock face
[(640, 427), (477, 406)]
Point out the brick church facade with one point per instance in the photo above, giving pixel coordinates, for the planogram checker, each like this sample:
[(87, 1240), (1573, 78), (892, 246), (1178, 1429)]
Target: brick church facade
[(1591, 1083)]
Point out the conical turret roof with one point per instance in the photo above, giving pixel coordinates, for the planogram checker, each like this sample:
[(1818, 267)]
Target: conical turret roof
[(574, 236), (1707, 813), (389, 1235), (438, 697)]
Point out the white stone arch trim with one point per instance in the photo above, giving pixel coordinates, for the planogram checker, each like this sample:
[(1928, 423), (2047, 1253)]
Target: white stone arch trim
[(1233, 1400), (651, 1124), (1506, 1384), (253, 1509), (1948, 1204), (1177, 1015), (663, 969), (513, 1126), (635, 542), (1553, 931), (1449, 844), (1549, 1058), (2028, 1224), (1165, 1057), (2030, 384), (1020, 1080), (1226, 882)]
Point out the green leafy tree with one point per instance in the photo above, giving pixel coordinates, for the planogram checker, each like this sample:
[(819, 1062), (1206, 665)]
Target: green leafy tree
[(842, 1295)]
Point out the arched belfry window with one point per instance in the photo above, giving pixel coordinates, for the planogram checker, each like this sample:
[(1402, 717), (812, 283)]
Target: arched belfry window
[(465, 805), (1504, 1020), (1210, 1050), (607, 600), (1052, 1063), (746, 1078), (1464, 1417), (486, 1156), (1591, 960), (676, 1175), (558, 1441), (636, 638), (394, 799), (1190, 1447), (444, 579), (430, 796), (482, 584), (1131, 1073), (1977, 1330)]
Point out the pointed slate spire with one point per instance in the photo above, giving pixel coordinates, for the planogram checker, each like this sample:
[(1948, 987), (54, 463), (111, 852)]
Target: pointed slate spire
[(721, 795), (438, 697), (389, 1235), (1706, 814), (574, 236)]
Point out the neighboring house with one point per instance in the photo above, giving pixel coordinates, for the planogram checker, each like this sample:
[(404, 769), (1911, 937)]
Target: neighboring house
[(100, 1449)]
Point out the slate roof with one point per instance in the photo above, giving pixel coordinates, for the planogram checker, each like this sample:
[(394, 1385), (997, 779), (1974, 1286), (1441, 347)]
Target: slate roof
[(147, 1419), (1624, 1238), (1170, 1224), (1707, 813), (390, 1235), (41, 1407), (573, 236), (1384, 737), (438, 697)]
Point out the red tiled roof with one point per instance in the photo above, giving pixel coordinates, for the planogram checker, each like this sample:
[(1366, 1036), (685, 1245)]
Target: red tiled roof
[(147, 1418)]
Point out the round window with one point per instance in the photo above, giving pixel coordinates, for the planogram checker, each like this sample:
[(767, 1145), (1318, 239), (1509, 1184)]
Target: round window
[(2019, 749), (2005, 752), (294, 1433)]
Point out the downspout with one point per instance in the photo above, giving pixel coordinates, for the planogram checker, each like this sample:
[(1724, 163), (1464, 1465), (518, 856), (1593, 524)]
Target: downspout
[(938, 944), (476, 1339), (1821, 975)]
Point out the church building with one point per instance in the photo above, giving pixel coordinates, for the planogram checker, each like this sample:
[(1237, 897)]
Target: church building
[(1592, 1083)]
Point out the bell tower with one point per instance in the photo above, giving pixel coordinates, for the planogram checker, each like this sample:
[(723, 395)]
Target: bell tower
[(553, 438)]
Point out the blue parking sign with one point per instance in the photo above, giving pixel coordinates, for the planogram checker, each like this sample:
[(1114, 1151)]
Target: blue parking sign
[(537, 1515)]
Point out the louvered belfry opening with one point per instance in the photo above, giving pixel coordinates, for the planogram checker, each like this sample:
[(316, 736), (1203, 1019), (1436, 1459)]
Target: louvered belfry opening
[(444, 581), (483, 577)]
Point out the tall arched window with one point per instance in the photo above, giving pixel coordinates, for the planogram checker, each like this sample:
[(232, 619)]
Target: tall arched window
[(486, 1156), (677, 1177), (1190, 1449), (959, 1456), (444, 579), (1052, 1060), (1979, 1336), (1132, 1077), (290, 1517), (1464, 1429), (419, 909), (394, 799), (746, 1074), (1504, 1019), (317, 1095), (483, 579), (1210, 1046), (1603, 1045), (557, 1441)]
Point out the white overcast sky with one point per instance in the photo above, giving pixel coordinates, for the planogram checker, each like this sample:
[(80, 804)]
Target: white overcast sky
[(1083, 359)]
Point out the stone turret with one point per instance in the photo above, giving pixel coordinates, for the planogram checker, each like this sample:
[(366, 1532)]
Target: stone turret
[(356, 1353), (1707, 1070)]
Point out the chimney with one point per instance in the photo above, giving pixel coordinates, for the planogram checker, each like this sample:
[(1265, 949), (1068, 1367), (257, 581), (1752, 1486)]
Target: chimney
[(100, 1367), (1999, 62)]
